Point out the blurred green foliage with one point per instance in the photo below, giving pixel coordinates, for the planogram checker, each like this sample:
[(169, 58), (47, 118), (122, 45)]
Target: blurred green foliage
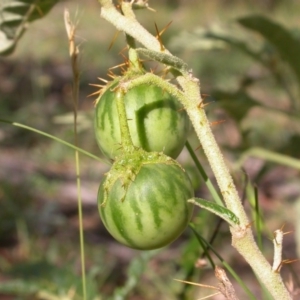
[(15, 16), (248, 64)]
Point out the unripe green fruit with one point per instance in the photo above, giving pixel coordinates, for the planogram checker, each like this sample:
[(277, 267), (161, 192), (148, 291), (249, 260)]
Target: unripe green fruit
[(145, 205), (156, 121)]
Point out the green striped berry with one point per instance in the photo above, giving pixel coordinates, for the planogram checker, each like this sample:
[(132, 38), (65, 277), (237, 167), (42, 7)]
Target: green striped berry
[(156, 120), (145, 205)]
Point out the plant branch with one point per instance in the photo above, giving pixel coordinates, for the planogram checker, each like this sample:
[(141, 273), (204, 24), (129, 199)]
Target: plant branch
[(225, 286), (277, 242), (130, 25), (189, 95)]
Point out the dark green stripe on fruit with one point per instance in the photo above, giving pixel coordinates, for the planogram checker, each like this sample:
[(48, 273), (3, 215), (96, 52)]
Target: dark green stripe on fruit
[(137, 213), (141, 116), (116, 212), (108, 109)]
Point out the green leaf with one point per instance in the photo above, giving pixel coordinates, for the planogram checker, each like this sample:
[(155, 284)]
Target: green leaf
[(236, 43), (15, 15), (281, 38), (217, 209)]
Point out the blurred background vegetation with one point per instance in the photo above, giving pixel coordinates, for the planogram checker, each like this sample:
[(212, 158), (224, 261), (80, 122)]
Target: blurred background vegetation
[(247, 56)]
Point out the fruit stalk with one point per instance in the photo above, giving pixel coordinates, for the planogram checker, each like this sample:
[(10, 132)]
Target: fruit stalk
[(126, 140)]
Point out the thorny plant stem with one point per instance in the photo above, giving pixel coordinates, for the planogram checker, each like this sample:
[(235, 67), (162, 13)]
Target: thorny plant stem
[(242, 237)]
